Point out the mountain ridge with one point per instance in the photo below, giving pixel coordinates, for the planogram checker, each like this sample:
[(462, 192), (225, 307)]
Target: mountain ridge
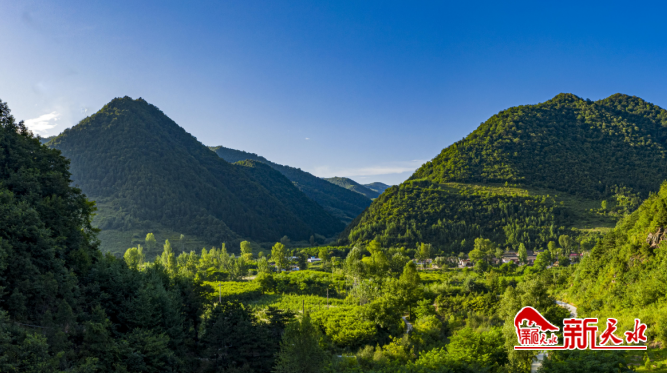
[(338, 201), (352, 185), (527, 171), (146, 171)]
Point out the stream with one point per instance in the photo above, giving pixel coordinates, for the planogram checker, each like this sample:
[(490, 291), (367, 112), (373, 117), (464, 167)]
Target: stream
[(535, 366)]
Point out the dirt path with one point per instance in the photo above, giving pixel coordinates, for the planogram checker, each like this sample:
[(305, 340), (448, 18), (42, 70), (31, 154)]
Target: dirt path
[(408, 325)]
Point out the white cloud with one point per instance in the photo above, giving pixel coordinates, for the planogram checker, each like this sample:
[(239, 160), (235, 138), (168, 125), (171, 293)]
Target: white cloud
[(43, 123), (307, 138), (386, 169)]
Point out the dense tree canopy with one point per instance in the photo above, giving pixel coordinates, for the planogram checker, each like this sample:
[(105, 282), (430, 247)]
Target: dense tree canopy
[(340, 202), (609, 152), (144, 170)]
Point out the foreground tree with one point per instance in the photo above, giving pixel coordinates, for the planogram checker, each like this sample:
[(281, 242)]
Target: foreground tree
[(300, 350)]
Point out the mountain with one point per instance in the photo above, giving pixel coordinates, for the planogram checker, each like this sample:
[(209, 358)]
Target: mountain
[(339, 202), (353, 186), (44, 140), (527, 175), (146, 173), (377, 187), (291, 197)]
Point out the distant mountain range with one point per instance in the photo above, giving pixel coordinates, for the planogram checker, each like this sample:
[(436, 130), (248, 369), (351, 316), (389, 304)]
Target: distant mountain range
[(338, 201), (354, 186), (377, 187), (527, 175), (148, 174)]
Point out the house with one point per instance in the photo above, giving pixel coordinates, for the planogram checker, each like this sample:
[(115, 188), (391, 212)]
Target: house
[(513, 257), (510, 257), (576, 257), (313, 259), (465, 263)]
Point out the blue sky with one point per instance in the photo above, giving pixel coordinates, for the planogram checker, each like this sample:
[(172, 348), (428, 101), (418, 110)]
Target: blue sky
[(364, 89)]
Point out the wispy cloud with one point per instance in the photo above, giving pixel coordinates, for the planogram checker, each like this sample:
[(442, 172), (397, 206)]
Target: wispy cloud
[(43, 123), (384, 169)]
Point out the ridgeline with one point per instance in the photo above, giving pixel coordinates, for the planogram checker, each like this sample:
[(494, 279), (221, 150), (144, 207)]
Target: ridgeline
[(338, 201), (527, 175), (148, 174)]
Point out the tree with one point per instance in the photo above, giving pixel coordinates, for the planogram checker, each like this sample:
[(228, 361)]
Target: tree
[(566, 243), (440, 261), (300, 350), (151, 244), (543, 260), (424, 252), (553, 250), (409, 282), (234, 340), (285, 241), (279, 256), (266, 281), (168, 259), (585, 361), (312, 240), (246, 250), (134, 257), (302, 261), (182, 239), (484, 250), (522, 253), (323, 254), (246, 247), (263, 265)]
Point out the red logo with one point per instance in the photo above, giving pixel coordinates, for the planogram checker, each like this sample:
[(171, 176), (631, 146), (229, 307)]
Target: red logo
[(537, 333)]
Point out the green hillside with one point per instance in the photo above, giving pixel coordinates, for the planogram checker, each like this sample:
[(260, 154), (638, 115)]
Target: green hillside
[(353, 186), (146, 173), (565, 153), (377, 187), (292, 198), (624, 275), (339, 202)]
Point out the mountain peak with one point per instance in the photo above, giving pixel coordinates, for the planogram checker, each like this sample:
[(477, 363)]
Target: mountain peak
[(146, 172)]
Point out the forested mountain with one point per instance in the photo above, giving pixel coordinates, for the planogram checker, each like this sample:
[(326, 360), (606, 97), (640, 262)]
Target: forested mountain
[(146, 172), (377, 187), (526, 175), (66, 307), (353, 186), (340, 202), (44, 140), (292, 198)]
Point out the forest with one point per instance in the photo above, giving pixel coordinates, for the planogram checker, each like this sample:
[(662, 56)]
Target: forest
[(338, 201), (145, 172), (389, 299), (523, 175)]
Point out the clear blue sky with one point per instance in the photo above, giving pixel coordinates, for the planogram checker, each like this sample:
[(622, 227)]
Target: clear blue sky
[(364, 89)]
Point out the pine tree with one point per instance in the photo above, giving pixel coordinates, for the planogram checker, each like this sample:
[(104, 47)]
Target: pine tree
[(300, 350)]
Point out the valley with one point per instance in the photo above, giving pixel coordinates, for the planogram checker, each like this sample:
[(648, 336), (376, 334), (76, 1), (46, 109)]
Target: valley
[(215, 249)]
